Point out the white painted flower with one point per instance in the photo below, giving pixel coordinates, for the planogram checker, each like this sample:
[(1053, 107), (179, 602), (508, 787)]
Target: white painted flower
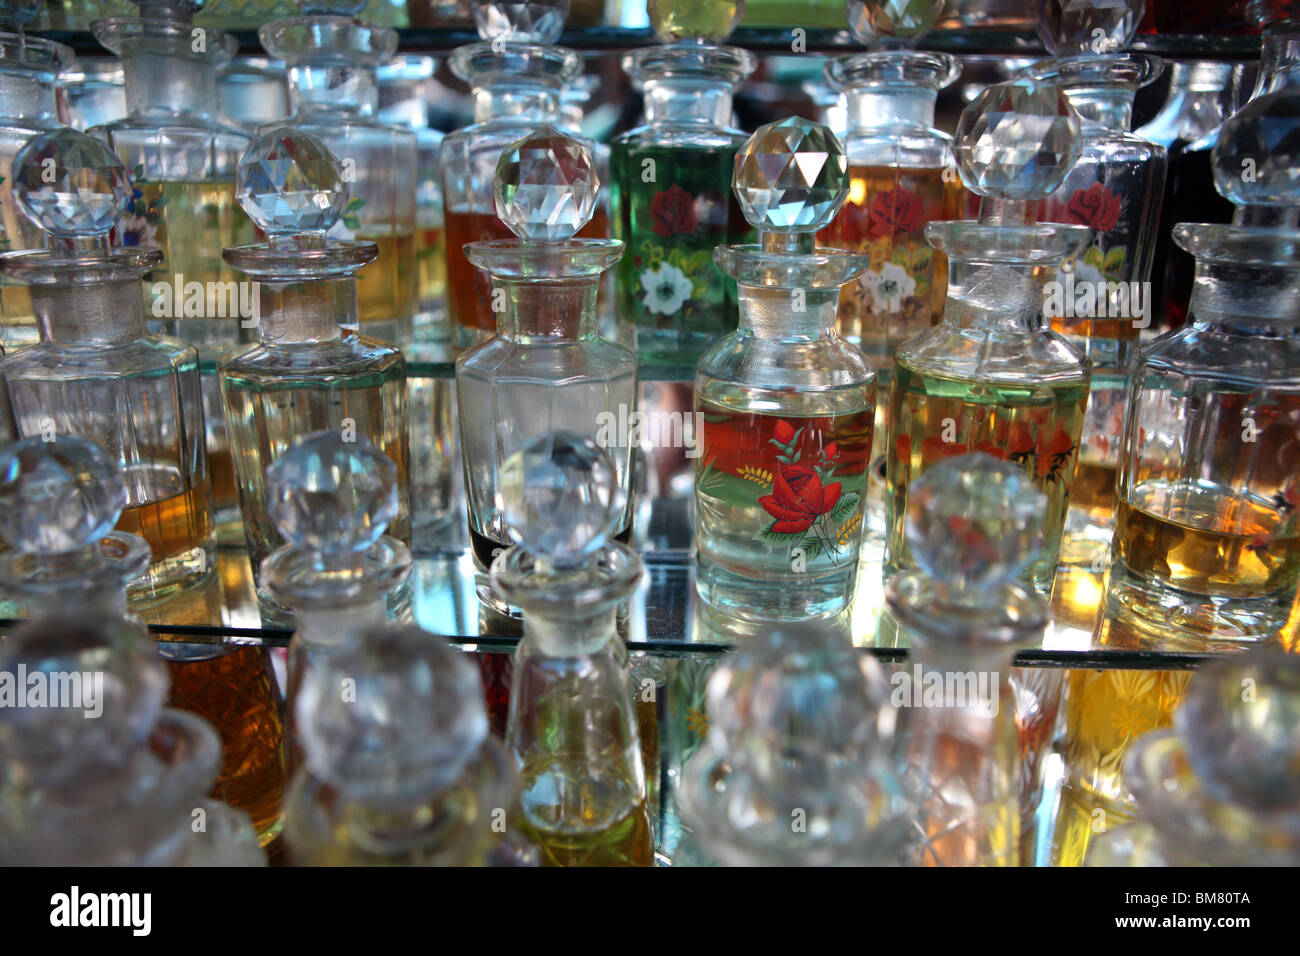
[(137, 231), (666, 289), (1083, 273), (889, 287)]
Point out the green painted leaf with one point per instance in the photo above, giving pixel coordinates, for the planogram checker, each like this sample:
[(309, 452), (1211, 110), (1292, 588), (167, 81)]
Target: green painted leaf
[(1093, 257), (1114, 261), (352, 222), (812, 549), (920, 263), (354, 204), (845, 507), (923, 285), (774, 539)]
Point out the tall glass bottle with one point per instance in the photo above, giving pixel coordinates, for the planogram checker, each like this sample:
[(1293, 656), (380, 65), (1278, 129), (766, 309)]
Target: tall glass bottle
[(572, 727), (28, 69), (788, 406), (334, 92), (546, 368), (670, 188), (1207, 549), (96, 372), (310, 370), (991, 377)]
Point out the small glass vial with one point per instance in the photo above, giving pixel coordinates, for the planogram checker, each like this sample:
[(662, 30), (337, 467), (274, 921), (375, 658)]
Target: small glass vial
[(96, 372), (788, 406), (546, 368), (334, 92), (572, 726), (310, 370), (992, 377), (964, 616), (670, 185), (1207, 548)]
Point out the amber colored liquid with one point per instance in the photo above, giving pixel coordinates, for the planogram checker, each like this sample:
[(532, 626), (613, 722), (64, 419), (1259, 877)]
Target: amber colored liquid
[(1093, 490), (238, 693), (627, 841), (191, 222), (17, 321), (172, 526), (1289, 636), (386, 287), (1198, 538), (430, 266)]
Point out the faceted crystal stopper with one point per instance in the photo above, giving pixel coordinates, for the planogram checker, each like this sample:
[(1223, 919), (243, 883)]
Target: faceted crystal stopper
[(332, 495), (70, 184), (522, 21), (707, 21), (546, 186), (872, 20), (58, 496), (559, 495), (791, 177), (1088, 27), (974, 523), (288, 181), (395, 715), (1017, 140), (1238, 725), (1257, 155)]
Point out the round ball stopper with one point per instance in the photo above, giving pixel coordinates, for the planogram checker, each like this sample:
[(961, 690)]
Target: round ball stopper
[(870, 20), (1238, 725), (1088, 27), (791, 176), (332, 495), (709, 21), (546, 186), (1017, 140), (974, 523), (58, 496), (559, 496), (523, 21), (70, 184), (1257, 155), (288, 181), (394, 715)]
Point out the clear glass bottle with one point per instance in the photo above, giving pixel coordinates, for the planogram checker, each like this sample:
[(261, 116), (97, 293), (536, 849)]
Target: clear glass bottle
[(96, 372), (334, 92), (310, 370), (1207, 549), (546, 369), (964, 616), (788, 406), (670, 191), (992, 377), (572, 726)]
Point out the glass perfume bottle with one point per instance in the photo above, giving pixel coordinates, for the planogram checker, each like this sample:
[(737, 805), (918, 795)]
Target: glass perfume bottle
[(310, 370), (96, 372), (572, 727), (788, 406), (29, 66), (964, 616), (670, 186), (546, 369), (991, 377), (332, 85), (1207, 552)]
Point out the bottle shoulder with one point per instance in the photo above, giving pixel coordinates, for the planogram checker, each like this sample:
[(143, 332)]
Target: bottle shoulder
[(1010, 357), (743, 358), (350, 355), (903, 145), (147, 354), (1240, 357), (683, 136), (563, 361)]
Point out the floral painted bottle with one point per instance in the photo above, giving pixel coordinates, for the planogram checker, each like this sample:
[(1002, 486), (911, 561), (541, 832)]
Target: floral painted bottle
[(991, 377), (788, 406), (670, 192)]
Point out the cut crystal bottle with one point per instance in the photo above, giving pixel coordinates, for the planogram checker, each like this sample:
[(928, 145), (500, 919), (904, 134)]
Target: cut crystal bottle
[(788, 406)]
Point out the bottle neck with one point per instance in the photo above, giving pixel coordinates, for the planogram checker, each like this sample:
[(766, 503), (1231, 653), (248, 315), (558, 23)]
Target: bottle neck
[(1232, 296), (106, 314), (300, 313), (1279, 63), (675, 101), (994, 298), (874, 107), (158, 82), (317, 627), (538, 103), (27, 94), (556, 310), (1111, 107), (315, 88), (788, 314), (570, 636)]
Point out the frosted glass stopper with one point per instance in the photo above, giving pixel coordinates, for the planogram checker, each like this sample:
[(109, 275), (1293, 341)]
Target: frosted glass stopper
[(1257, 155), (395, 715), (707, 21), (1017, 140), (288, 181), (791, 177), (16, 13), (58, 496), (872, 20), (332, 495), (70, 184), (546, 186), (974, 523), (523, 21), (1238, 727), (560, 497), (1088, 27)]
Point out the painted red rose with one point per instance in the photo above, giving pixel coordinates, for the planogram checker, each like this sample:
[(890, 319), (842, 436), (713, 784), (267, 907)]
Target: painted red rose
[(898, 210), (798, 499), (784, 432), (1095, 207), (831, 451), (673, 211)]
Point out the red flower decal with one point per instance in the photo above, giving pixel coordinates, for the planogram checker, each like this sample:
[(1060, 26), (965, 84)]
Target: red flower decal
[(673, 211), (831, 451), (1095, 207), (896, 211), (798, 499)]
